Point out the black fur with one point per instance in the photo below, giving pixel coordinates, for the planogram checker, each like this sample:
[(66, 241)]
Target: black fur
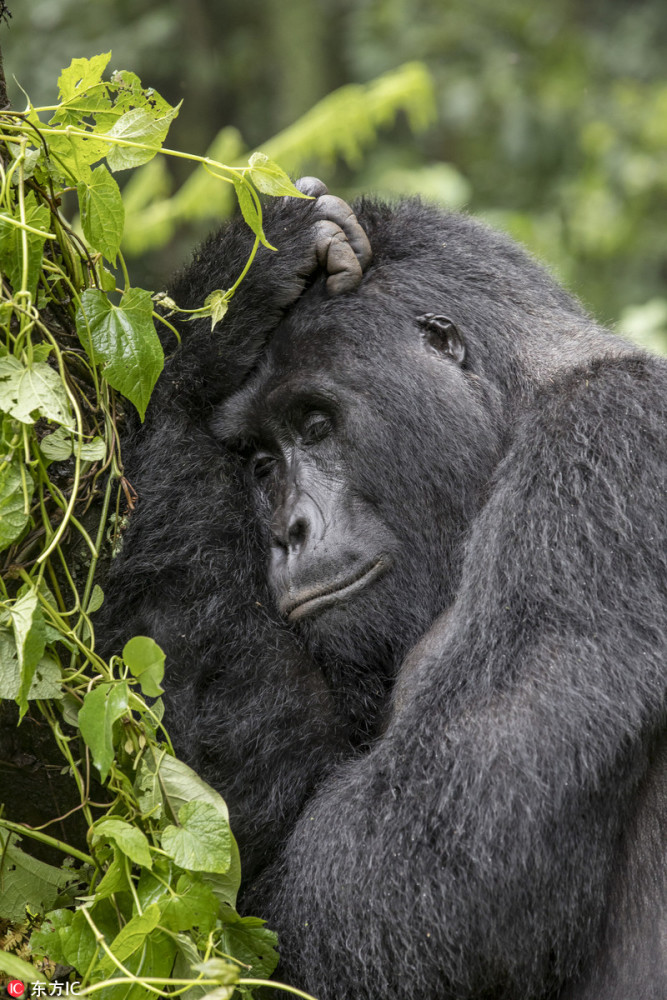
[(461, 793)]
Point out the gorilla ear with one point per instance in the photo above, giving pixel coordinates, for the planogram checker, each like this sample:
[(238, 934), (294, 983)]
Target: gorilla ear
[(443, 336)]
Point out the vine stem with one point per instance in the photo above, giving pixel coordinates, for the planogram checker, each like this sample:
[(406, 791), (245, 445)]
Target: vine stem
[(146, 981), (143, 146), (24, 225), (150, 981), (98, 548), (277, 986), (60, 845)]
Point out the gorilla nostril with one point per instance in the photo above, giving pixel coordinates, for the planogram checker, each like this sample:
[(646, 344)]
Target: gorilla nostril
[(278, 541), (297, 533)]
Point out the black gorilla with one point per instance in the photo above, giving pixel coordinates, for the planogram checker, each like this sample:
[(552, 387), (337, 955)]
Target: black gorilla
[(401, 532)]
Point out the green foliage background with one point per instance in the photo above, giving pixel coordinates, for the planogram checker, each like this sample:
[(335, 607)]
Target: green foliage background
[(550, 118)]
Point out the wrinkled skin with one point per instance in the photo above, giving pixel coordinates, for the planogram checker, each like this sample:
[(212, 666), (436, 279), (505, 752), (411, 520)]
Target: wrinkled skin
[(401, 532)]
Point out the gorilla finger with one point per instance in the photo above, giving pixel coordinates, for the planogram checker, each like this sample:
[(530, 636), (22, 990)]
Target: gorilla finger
[(335, 256), (343, 266), (330, 207), (324, 231), (312, 186)]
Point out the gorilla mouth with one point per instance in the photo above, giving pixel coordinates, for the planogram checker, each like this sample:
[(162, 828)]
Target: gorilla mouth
[(309, 602)]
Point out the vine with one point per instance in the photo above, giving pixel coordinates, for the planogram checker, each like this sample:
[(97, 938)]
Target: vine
[(148, 907)]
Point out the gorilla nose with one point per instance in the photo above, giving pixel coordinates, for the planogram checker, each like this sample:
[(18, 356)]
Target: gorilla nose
[(292, 535)]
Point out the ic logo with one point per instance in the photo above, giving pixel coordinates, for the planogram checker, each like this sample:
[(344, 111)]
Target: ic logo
[(16, 988)]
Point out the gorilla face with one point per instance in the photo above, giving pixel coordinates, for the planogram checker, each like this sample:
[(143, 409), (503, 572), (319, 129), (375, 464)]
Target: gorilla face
[(362, 525)]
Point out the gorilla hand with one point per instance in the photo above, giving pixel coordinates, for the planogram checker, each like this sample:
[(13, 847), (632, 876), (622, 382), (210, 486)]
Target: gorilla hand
[(322, 234), (341, 247)]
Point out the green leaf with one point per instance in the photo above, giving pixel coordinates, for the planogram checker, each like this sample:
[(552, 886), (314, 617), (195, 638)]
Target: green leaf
[(115, 877), (223, 992), (129, 839), (217, 304), (50, 937), (103, 706), (227, 973), (67, 938), (194, 905), (146, 662), (249, 211), (26, 882), (96, 600), (70, 709), (30, 639), (139, 126), (56, 447), (74, 154), (123, 340), (130, 94), (81, 74), (30, 158), (13, 515), (78, 941), (132, 936), (106, 279), (47, 679), (93, 451), (225, 887), (11, 244), (201, 841), (60, 445), (155, 958), (16, 968), (36, 388), (250, 941), (187, 905), (102, 212), (92, 103), (41, 352), (269, 178), (187, 957), (179, 784), (151, 887), (147, 790)]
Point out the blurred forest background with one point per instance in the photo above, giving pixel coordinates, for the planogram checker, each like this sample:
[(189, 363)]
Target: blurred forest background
[(548, 119)]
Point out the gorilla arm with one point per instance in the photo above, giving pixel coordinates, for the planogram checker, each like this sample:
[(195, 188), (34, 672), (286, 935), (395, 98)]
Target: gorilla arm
[(191, 573), (470, 853)]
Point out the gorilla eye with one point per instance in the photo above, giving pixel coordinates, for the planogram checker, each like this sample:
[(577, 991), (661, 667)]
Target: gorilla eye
[(315, 427), (262, 465), (443, 336)]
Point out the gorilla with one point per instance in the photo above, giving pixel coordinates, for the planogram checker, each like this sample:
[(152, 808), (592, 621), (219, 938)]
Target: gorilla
[(401, 533)]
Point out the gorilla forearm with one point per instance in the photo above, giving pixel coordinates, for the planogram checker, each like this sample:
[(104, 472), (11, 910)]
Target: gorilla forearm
[(510, 853), (509, 873)]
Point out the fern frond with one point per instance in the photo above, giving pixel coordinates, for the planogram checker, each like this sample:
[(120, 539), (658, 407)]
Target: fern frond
[(346, 121)]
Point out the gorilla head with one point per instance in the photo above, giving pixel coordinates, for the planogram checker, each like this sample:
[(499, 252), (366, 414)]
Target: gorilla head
[(371, 427), (359, 560)]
